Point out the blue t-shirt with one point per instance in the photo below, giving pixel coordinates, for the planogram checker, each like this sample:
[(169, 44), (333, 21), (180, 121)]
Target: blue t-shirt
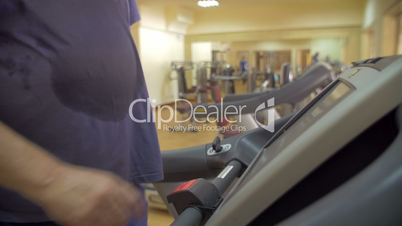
[(69, 70)]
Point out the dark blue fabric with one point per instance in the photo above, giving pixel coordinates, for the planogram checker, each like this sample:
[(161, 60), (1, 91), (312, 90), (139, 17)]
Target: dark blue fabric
[(134, 222), (133, 12), (68, 73), (29, 224)]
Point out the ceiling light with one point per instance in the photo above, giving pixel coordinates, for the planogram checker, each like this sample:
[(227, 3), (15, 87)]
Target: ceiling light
[(208, 3)]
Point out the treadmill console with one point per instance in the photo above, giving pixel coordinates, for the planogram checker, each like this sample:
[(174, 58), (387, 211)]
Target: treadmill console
[(377, 63), (298, 124)]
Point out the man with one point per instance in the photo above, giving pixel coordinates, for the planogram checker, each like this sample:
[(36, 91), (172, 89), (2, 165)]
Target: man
[(69, 153)]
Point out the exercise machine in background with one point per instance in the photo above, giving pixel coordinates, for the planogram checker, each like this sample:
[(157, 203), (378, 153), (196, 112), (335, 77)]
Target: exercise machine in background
[(178, 77)]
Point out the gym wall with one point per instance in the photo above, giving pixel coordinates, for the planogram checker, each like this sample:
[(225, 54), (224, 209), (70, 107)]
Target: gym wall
[(159, 42), (381, 27)]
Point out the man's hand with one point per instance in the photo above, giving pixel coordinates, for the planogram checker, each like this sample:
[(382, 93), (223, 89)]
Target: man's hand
[(70, 195), (79, 196)]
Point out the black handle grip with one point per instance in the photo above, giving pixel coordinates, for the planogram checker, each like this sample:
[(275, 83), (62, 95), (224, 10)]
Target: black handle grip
[(190, 216), (227, 175), (216, 144), (186, 164)]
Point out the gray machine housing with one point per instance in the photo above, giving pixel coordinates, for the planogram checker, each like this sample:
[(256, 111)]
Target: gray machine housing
[(372, 197)]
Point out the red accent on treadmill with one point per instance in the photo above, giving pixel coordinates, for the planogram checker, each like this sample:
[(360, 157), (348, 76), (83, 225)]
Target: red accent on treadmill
[(185, 185)]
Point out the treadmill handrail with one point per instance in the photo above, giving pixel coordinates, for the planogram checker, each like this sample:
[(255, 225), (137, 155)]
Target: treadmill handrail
[(292, 93), (192, 215), (196, 163)]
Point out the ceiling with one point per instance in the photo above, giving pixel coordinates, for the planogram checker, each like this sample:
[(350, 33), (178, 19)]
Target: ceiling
[(242, 15), (192, 4)]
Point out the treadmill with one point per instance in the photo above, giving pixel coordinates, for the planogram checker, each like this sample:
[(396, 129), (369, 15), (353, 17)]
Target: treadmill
[(337, 161), (294, 94)]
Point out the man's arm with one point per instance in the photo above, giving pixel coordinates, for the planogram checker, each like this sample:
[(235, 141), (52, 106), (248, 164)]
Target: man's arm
[(69, 194), (25, 167)]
